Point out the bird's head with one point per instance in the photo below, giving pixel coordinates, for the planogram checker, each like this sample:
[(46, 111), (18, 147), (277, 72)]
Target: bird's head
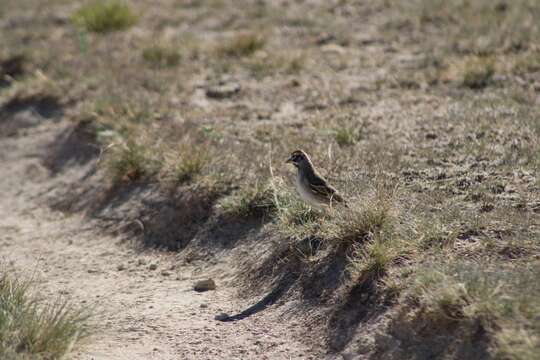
[(298, 157)]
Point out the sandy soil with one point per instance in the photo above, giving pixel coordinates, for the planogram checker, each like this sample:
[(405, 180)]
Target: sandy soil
[(140, 313)]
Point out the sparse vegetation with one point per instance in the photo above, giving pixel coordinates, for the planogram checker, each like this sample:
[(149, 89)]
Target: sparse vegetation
[(477, 73), (249, 201), (346, 136), (241, 45), (374, 218), (33, 329), (499, 299), (161, 56), (130, 161), (103, 16), (271, 64), (187, 162), (372, 260)]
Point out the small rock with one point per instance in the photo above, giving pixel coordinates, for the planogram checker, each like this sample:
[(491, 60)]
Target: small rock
[(165, 273), (204, 285), (121, 267), (141, 262), (294, 83), (203, 306), (152, 267), (221, 316), (223, 91)]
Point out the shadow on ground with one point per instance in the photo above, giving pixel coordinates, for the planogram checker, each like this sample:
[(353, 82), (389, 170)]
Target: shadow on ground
[(280, 289), (75, 146), (23, 112)]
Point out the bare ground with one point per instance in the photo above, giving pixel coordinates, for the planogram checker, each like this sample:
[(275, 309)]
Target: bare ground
[(140, 313)]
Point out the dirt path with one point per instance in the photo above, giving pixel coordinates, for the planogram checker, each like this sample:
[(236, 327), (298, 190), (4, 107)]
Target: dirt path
[(141, 313)]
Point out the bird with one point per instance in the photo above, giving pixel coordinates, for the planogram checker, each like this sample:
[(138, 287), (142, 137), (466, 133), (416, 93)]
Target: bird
[(311, 186)]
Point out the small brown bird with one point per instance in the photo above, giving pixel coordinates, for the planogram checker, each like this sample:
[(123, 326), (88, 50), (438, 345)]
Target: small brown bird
[(311, 186)]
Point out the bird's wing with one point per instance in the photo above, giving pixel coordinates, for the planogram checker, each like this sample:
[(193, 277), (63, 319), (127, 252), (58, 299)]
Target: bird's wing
[(320, 187)]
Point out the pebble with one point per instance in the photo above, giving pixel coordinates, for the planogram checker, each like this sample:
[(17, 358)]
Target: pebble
[(204, 285)]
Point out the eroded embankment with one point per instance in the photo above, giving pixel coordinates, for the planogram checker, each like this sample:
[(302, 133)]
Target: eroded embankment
[(80, 238)]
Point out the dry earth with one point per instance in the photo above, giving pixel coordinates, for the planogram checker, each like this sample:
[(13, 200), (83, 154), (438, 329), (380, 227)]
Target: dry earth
[(140, 313)]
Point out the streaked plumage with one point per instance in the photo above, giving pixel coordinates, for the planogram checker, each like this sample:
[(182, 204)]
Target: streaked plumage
[(311, 186)]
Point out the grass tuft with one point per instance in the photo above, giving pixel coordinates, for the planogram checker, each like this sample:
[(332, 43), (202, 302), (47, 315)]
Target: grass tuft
[(250, 201), (161, 56), (32, 329), (242, 45), (186, 162), (346, 136), (371, 260), (105, 16), (366, 219), (130, 161), (477, 73)]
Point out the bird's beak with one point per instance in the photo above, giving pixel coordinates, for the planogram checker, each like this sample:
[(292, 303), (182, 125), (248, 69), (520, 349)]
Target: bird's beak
[(289, 160)]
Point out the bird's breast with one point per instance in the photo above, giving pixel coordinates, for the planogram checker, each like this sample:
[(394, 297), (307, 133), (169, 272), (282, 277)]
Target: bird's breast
[(302, 186)]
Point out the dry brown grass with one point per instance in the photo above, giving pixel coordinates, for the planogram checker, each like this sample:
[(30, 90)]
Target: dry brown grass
[(241, 45)]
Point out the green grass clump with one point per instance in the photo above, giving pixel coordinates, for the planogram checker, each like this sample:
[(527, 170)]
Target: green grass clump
[(32, 329), (249, 201), (372, 259), (130, 161), (375, 231), (242, 45), (346, 136), (161, 56), (105, 16), (186, 162), (369, 218), (478, 73)]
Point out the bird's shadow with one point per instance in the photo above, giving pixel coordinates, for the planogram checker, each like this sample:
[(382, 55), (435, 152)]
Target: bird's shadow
[(282, 286)]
